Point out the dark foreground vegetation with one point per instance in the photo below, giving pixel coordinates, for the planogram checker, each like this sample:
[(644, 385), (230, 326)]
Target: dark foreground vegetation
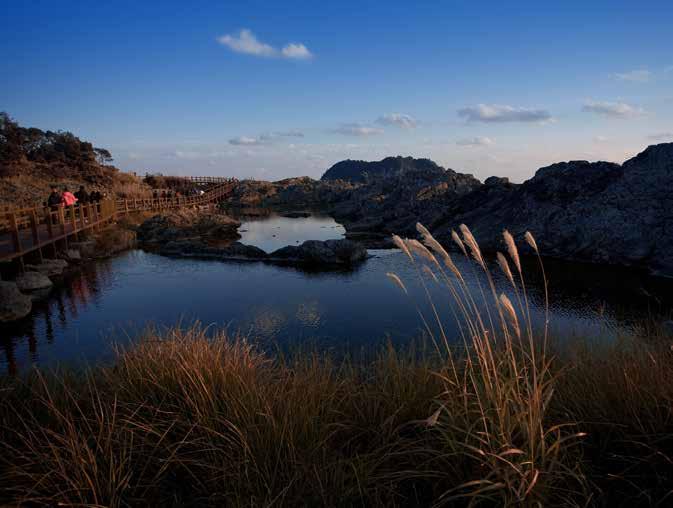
[(185, 418)]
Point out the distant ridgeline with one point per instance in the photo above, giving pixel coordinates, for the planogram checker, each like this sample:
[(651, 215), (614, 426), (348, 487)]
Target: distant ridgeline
[(360, 171), (57, 155)]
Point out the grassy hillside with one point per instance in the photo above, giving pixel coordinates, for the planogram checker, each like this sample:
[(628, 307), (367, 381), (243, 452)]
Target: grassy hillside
[(31, 160)]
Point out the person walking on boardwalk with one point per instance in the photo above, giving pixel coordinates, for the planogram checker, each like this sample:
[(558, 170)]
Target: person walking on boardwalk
[(67, 197), (53, 202), (82, 195), (54, 198)]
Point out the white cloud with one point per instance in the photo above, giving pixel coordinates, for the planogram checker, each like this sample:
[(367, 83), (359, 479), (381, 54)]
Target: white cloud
[(246, 141), (636, 76), (613, 109), (398, 119), (246, 42), (356, 129), (297, 51), (494, 113), (265, 138), (472, 142), (600, 139), (661, 136)]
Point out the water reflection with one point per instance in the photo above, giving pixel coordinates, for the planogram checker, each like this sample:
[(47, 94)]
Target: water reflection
[(53, 316), (274, 231), (335, 310)]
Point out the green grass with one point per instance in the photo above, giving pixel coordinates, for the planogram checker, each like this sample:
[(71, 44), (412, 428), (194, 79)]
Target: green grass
[(183, 417)]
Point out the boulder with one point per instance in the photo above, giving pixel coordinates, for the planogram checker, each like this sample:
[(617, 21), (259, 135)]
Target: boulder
[(49, 267), (197, 248), (32, 281), (185, 224), (13, 303), (72, 255), (329, 252)]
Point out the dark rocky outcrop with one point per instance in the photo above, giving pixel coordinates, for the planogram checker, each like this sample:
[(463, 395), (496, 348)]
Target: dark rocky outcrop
[(185, 224), (200, 249), (34, 284), (312, 252), (390, 167), (598, 212), (328, 252), (49, 267)]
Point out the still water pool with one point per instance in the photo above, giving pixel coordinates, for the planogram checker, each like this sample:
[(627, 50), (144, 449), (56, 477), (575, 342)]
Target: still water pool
[(279, 306)]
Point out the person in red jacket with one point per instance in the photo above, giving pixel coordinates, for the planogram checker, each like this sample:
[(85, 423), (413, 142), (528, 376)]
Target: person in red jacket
[(67, 197)]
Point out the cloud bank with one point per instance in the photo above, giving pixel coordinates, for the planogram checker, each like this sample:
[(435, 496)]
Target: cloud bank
[(247, 43), (494, 113), (398, 120), (356, 129), (613, 109)]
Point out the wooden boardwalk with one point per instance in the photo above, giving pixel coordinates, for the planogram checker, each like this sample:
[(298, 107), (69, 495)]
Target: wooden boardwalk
[(35, 229)]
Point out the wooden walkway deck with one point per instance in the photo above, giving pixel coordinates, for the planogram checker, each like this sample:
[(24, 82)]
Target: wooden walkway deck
[(31, 230)]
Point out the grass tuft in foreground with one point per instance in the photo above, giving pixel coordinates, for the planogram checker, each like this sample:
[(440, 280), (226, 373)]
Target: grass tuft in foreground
[(493, 417)]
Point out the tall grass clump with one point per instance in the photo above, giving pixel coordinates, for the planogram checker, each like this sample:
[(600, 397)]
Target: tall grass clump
[(496, 414), (493, 412)]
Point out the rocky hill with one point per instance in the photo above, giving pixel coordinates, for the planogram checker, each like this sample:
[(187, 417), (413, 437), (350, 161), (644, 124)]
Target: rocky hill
[(32, 159), (390, 167), (589, 211), (598, 212)]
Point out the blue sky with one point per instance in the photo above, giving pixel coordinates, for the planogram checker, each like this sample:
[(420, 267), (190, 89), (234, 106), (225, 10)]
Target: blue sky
[(277, 89)]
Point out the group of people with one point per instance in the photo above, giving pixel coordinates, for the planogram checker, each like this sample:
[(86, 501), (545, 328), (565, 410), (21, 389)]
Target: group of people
[(67, 198)]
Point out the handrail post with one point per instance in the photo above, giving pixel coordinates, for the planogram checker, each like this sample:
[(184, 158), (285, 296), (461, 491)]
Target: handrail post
[(16, 240), (82, 214), (48, 221), (73, 218), (33, 226), (34, 223)]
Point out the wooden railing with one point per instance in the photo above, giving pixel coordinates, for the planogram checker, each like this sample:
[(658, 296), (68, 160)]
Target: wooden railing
[(31, 229)]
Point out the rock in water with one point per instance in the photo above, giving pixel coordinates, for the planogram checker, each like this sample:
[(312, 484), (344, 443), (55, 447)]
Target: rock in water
[(73, 255), (329, 252), (13, 304), (32, 281), (185, 224), (34, 284), (49, 267)]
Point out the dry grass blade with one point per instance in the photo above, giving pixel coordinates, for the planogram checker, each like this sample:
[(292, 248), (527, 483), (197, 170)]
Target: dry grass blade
[(531, 241), (402, 246), (458, 242), (512, 249), (504, 266), (396, 279), (471, 242), (510, 313)]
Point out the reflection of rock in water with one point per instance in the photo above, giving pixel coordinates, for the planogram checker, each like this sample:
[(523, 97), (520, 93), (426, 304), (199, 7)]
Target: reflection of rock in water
[(267, 322), (73, 294), (308, 314)]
